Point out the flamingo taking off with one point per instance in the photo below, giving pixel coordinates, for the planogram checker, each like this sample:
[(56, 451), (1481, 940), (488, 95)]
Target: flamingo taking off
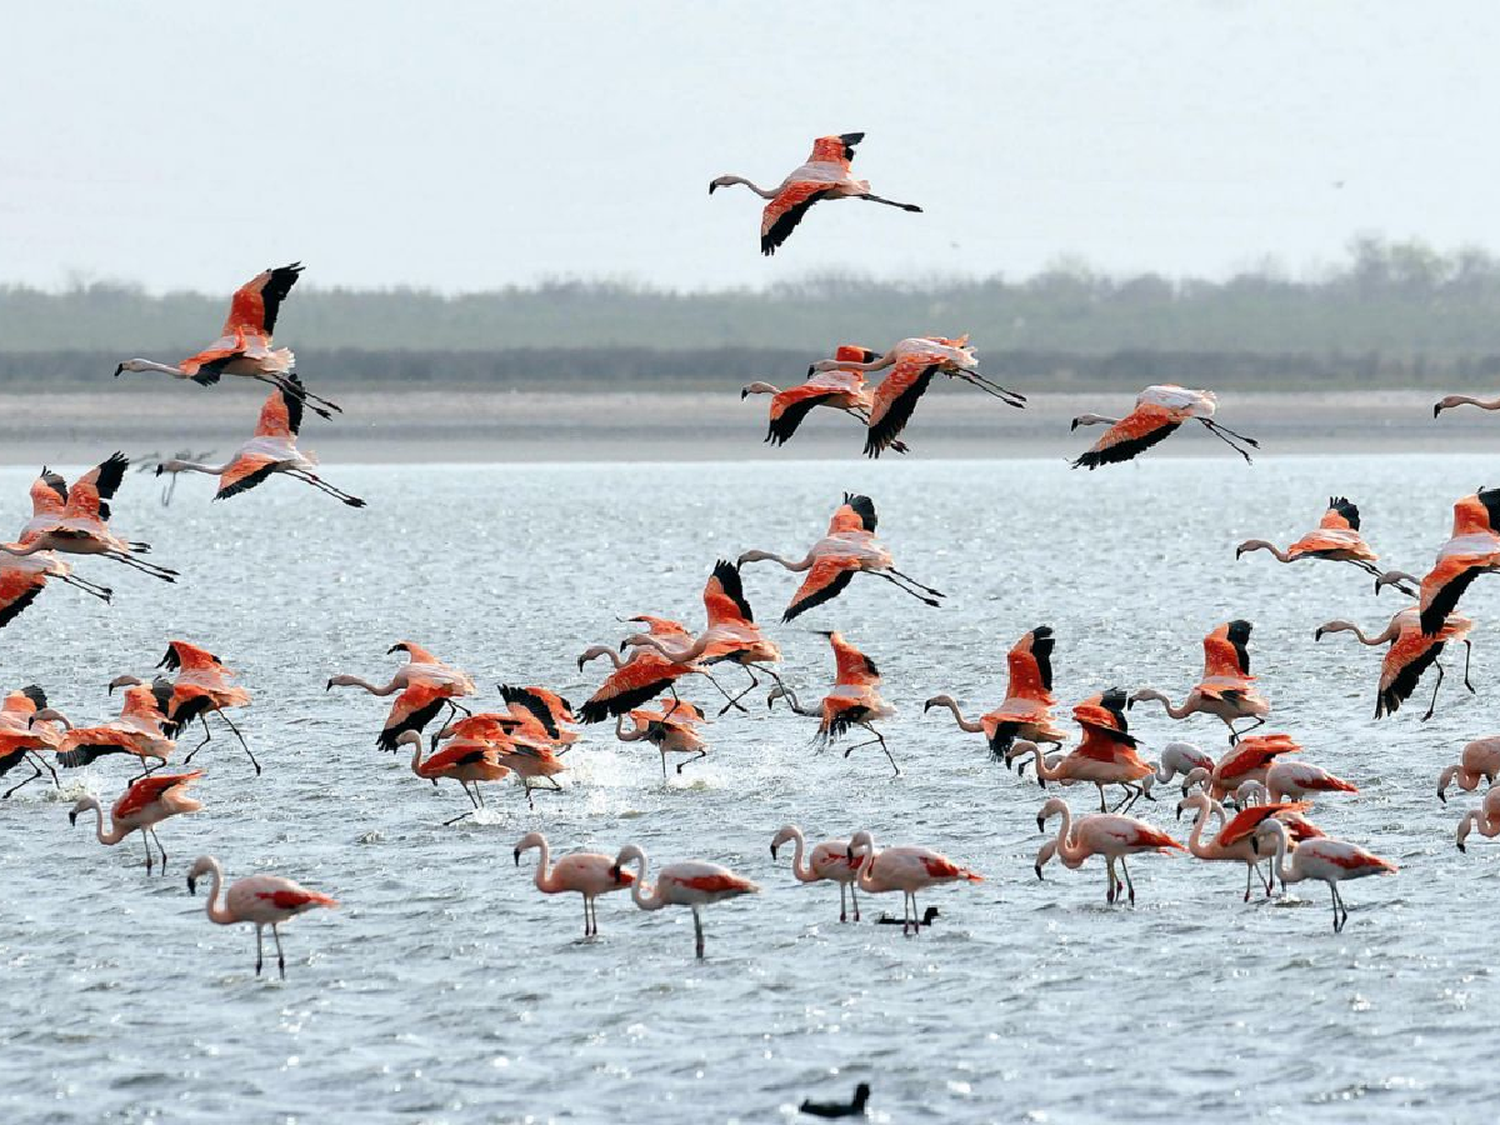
[(244, 343), (1450, 401), (273, 449), (21, 741), (23, 579), (905, 869), (1485, 820), (1106, 756), (672, 730), (1411, 653), (855, 700), (692, 883), (582, 873), (467, 761), (849, 548), (203, 686), (1248, 760), (1473, 549), (1159, 410), (139, 731), (841, 389), (637, 679), (261, 900), (1480, 761), (1337, 539), (426, 684), (1324, 859), (1113, 836), (1227, 689), (827, 862), (552, 714), (141, 808), (826, 175), (1027, 709)]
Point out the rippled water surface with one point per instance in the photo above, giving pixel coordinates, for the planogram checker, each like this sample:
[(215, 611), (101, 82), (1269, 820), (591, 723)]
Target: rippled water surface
[(447, 989)]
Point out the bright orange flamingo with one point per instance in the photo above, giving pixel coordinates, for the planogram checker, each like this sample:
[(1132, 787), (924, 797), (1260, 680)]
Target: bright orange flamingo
[(1450, 401), (1248, 760), (526, 757), (692, 883), (467, 761), (1158, 412), (244, 343), (141, 808), (138, 732), (1485, 820), (1411, 653), (906, 869), (826, 175), (672, 730), (1227, 689), (855, 700), (552, 715), (1027, 709), (1479, 762), (203, 686), (646, 673), (1232, 844), (1106, 756), (21, 741), (840, 389), (1113, 836), (23, 579), (273, 449), (1472, 550), (828, 862), (1324, 859), (581, 873), (261, 900), (426, 684), (849, 548), (1337, 540)]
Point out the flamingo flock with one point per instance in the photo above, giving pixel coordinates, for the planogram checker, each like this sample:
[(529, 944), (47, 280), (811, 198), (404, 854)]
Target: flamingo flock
[(524, 740)]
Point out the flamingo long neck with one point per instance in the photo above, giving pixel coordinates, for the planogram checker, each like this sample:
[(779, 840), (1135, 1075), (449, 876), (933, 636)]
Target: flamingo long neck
[(1262, 545), (115, 833), (1044, 769), (1195, 840), (963, 723), (635, 734), (676, 655), (764, 193), (217, 911), (769, 556), (1283, 872), (803, 873), (355, 681), (1175, 712), (1483, 404), (194, 467), (646, 900), (416, 757), (1068, 850), (164, 368), (603, 650), (543, 878)]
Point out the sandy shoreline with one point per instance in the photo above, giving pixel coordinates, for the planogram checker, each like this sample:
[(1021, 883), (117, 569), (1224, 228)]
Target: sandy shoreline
[(386, 425)]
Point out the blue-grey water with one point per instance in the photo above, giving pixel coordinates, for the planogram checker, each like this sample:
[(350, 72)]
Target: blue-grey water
[(447, 989)]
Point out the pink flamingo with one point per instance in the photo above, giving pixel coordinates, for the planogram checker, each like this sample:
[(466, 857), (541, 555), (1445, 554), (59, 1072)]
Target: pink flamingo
[(1485, 819), (829, 861), (1303, 780), (1108, 834), (1232, 844), (140, 808), (1480, 761), (1324, 859), (904, 869), (584, 873), (261, 900), (692, 883)]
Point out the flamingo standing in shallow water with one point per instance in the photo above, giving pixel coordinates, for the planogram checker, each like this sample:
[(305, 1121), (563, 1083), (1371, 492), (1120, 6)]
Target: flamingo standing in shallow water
[(1337, 540), (1485, 820), (1027, 709), (1227, 689), (1108, 834), (1302, 781), (261, 900), (583, 873), (1473, 549), (1232, 844), (1249, 760), (1411, 653), (828, 862), (1480, 761), (849, 548), (826, 175), (1158, 412), (855, 700), (141, 808), (904, 869), (840, 389), (1324, 859), (692, 883)]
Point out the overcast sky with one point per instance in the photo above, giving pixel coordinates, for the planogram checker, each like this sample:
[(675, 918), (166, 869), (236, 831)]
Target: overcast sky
[(470, 145)]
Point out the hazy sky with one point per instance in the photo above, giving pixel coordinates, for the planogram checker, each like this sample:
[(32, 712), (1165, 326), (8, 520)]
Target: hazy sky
[(470, 145)]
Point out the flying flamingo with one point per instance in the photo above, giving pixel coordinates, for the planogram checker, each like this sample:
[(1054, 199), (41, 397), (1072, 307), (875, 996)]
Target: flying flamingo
[(141, 808), (1480, 761), (203, 686), (1450, 401), (1027, 709), (1337, 539), (1472, 550), (1411, 653), (1485, 820), (1232, 844), (466, 761), (261, 900), (638, 679), (915, 361), (826, 175), (20, 741), (244, 343), (1324, 859), (552, 713), (1159, 410), (1106, 756), (829, 861), (904, 869), (583, 873), (849, 548), (426, 684), (23, 579), (672, 730), (82, 527), (855, 700), (1301, 781), (273, 449), (693, 884), (841, 389), (1249, 760), (1108, 834), (1227, 689), (139, 731)]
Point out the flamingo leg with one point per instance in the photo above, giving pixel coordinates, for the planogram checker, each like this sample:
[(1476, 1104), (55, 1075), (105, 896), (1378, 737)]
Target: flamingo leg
[(146, 568), (843, 900), (35, 773), (1340, 916), (854, 894), (905, 589), (145, 839), (788, 692), (889, 202), (103, 593), (1432, 705), (1125, 868), (1468, 653), (259, 958), (1226, 435), (322, 485), (1109, 895), (243, 744), (694, 758), (725, 694), (208, 736), (879, 738), (161, 849), (307, 397), (920, 586), (1249, 871), (698, 932), (280, 958), (754, 683)]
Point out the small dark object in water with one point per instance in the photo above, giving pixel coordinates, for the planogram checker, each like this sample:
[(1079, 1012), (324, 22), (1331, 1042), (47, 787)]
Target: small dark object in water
[(927, 916), (856, 1108)]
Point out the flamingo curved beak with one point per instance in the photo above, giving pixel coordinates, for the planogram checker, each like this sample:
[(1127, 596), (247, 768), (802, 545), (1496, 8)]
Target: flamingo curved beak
[(192, 885), (517, 854), (121, 367)]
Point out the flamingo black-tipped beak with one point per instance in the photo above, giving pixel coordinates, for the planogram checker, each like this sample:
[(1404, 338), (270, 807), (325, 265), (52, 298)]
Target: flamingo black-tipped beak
[(810, 371), (328, 686), (393, 648), (712, 186), (1179, 809), (1442, 796), (517, 854), (1437, 408), (614, 873), (1255, 843), (160, 469), (73, 819), (1463, 847), (121, 367), (1038, 870), (192, 885), (773, 851), (1317, 635), (1074, 426), (744, 393), (926, 707), (1041, 824), (580, 664)]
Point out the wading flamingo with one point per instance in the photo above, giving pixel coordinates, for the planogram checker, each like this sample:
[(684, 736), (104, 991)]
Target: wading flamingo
[(1337, 539), (141, 808), (1106, 756), (261, 900), (1485, 820), (904, 869), (1248, 760), (1302, 781), (1411, 653), (826, 175), (1227, 689), (692, 883), (21, 741), (828, 862), (841, 389), (273, 449), (1232, 844), (1108, 834), (582, 873), (244, 343), (1027, 709), (1324, 859), (1450, 401), (1480, 761), (849, 548), (139, 731), (1159, 410), (466, 761), (1178, 759), (672, 730), (1473, 549), (855, 700), (426, 684)]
